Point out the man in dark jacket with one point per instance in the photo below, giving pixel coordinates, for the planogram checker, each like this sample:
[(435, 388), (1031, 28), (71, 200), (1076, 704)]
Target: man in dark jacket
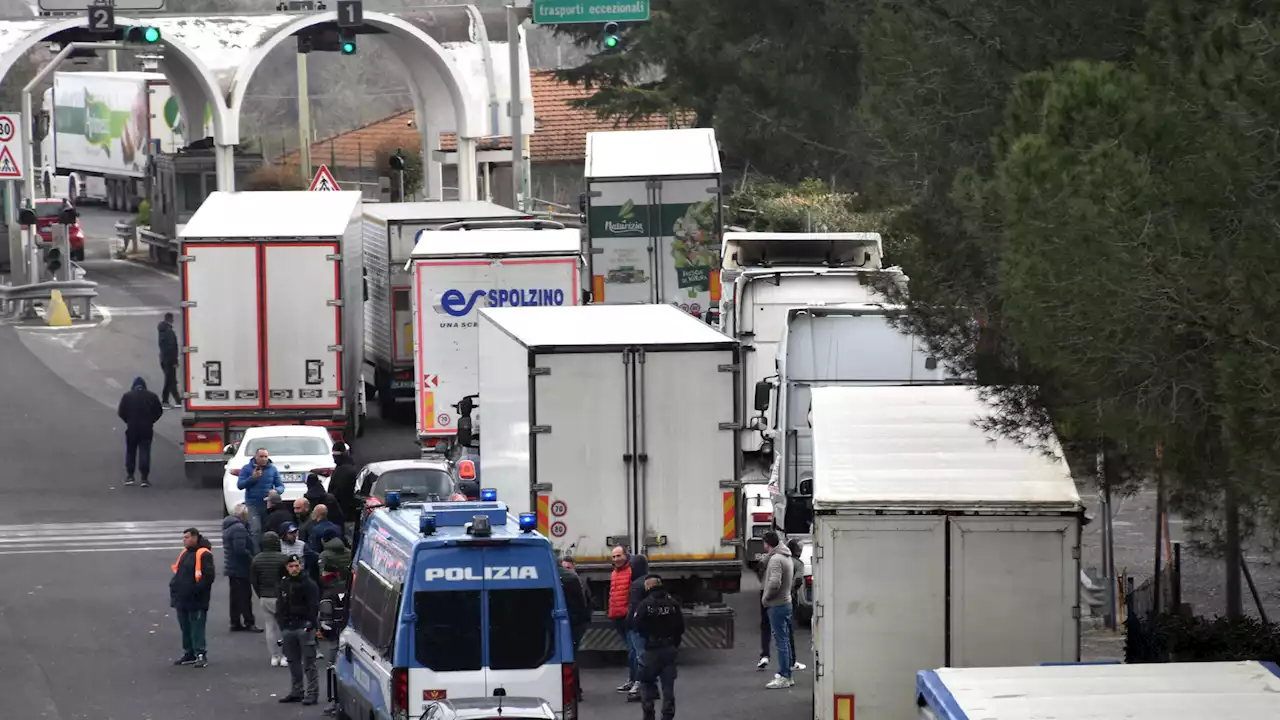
[(317, 496), (139, 409), (279, 512), (189, 591), (296, 611), (578, 604), (237, 554), (169, 361), (659, 621), (636, 593), (321, 529), (342, 485), (265, 574)]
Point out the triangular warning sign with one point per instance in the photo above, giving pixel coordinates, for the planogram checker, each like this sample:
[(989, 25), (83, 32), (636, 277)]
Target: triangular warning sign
[(9, 167), (324, 180)]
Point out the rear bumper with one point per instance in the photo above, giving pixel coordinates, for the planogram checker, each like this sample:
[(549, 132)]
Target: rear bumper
[(705, 628), (205, 460)]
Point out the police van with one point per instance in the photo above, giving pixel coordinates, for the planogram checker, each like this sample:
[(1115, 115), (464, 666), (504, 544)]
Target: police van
[(453, 600)]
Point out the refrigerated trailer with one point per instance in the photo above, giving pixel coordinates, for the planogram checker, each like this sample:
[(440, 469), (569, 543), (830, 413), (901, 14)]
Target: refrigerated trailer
[(457, 273), (653, 217), (936, 545), (391, 231), (615, 425), (272, 317)]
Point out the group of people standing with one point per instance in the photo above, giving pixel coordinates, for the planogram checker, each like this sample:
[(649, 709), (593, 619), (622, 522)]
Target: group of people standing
[(651, 625), (295, 558)]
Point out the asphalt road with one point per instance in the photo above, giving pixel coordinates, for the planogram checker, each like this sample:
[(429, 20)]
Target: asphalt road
[(85, 626)]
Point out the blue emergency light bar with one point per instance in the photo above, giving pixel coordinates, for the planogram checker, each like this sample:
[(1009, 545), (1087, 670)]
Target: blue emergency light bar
[(459, 514), (488, 495), (528, 522)]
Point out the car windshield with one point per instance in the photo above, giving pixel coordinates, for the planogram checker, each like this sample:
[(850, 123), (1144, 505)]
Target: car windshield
[(419, 482), (46, 211), (287, 446)]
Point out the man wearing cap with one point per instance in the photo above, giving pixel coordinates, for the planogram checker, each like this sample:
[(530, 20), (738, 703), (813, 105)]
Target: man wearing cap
[(296, 610)]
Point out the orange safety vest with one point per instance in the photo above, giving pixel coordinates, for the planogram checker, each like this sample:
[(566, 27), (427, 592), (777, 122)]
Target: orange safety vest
[(199, 572)]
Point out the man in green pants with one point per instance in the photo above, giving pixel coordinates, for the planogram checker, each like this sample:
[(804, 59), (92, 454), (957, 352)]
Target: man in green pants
[(189, 591)]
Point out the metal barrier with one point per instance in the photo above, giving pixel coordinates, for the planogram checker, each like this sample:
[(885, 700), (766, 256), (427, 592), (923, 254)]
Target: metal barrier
[(127, 232), (20, 300)]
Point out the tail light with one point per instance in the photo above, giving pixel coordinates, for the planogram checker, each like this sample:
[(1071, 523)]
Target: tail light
[(569, 690), (761, 517), (233, 473), (808, 581), (399, 692), (323, 471), (430, 442)]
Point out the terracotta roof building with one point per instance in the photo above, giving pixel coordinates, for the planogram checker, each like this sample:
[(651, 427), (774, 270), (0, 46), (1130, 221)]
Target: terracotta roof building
[(557, 149)]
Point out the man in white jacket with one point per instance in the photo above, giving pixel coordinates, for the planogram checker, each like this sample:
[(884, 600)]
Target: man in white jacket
[(775, 596)]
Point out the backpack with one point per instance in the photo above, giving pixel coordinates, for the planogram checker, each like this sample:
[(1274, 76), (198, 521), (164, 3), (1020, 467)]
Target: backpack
[(333, 608)]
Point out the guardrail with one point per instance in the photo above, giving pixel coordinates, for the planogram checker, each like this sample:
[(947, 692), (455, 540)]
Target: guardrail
[(20, 299)]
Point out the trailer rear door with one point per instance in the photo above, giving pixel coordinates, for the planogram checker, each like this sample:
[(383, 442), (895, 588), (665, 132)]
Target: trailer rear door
[(302, 325), (221, 334)]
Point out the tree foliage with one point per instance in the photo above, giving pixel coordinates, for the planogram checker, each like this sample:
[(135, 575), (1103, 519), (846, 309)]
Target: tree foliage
[(276, 177), (412, 169)]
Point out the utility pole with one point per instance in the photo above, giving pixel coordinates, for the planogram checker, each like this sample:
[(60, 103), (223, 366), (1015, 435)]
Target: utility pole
[(304, 119), (515, 16)]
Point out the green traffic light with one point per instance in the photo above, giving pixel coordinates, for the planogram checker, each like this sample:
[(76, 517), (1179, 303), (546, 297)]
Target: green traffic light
[(151, 35), (348, 47), (611, 41)]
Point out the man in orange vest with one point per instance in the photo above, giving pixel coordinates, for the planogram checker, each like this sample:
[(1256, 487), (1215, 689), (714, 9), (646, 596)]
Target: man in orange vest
[(189, 591)]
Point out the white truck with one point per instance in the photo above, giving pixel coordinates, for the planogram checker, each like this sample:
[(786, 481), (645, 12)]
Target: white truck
[(1242, 690), (457, 273), (271, 318), (653, 217), (391, 231), (762, 276), (934, 545), (103, 129), (830, 345), (616, 425)]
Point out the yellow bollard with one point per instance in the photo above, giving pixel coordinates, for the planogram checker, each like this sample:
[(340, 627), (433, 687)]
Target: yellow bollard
[(56, 314)]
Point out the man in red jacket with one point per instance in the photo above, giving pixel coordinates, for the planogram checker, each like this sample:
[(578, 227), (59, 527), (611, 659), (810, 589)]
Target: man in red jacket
[(619, 597)]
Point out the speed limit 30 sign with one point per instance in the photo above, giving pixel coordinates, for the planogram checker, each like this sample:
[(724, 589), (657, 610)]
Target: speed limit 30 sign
[(10, 146)]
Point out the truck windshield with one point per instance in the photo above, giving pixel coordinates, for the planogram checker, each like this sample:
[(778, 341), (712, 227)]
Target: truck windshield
[(416, 483)]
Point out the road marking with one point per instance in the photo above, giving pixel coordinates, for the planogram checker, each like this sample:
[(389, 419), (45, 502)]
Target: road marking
[(150, 310), (75, 538)]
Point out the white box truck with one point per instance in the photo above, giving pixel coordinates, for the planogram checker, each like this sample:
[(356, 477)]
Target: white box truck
[(616, 425), (391, 231), (271, 318), (653, 217), (1243, 690), (456, 274), (934, 545), (103, 129)]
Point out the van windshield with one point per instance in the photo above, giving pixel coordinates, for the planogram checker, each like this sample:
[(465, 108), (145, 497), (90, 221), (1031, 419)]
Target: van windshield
[(521, 629)]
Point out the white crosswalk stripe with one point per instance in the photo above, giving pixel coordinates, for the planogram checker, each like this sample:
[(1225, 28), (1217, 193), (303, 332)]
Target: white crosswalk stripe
[(98, 537)]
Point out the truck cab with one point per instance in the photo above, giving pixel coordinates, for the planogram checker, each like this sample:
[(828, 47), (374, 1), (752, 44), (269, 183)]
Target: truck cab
[(453, 600)]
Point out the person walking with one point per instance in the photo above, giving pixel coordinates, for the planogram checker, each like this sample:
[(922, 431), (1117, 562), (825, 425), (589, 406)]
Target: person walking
[(766, 628), (265, 573), (237, 556), (776, 598), (258, 477), (168, 340), (342, 485), (189, 592), (139, 409), (578, 605), (619, 594), (635, 595), (296, 612), (659, 621)]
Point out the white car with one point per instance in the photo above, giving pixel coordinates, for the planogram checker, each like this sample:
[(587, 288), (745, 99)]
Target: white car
[(295, 450)]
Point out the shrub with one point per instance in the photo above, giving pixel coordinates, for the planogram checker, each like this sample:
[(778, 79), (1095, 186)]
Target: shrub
[(276, 177)]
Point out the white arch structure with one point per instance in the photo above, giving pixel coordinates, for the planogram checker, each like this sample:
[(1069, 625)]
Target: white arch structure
[(210, 60)]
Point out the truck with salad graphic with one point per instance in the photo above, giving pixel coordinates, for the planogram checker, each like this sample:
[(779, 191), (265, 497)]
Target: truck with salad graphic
[(102, 129), (653, 217)]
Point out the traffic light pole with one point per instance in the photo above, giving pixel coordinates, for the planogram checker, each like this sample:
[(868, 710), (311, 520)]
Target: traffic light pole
[(29, 142), (515, 16)]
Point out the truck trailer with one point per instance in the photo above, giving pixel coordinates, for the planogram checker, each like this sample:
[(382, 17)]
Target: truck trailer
[(935, 545), (271, 318), (104, 128), (653, 217), (616, 426), (391, 231), (456, 273)]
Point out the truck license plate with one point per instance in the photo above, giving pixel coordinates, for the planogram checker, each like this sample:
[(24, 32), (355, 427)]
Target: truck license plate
[(401, 384), (291, 477)]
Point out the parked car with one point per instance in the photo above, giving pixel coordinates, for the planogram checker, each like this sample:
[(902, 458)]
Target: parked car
[(47, 210), (295, 450), (419, 480), (490, 708)]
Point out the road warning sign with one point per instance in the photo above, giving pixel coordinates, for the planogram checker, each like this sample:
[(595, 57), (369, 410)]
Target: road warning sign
[(10, 146), (324, 181)]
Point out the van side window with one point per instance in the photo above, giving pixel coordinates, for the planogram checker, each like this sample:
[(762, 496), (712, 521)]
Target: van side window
[(522, 628), (375, 608), (448, 632)]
